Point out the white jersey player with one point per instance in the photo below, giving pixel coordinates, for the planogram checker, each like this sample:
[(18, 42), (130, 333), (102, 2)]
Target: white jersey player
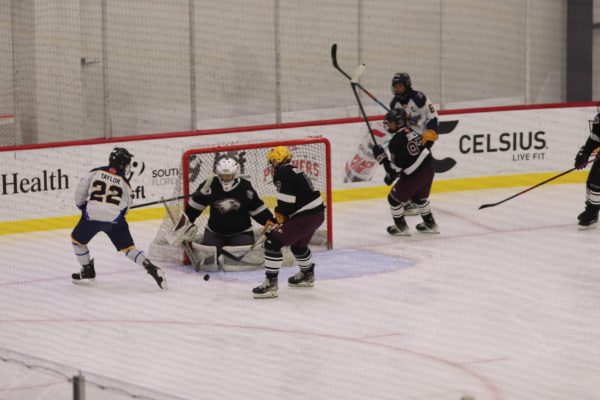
[(422, 116), (104, 196)]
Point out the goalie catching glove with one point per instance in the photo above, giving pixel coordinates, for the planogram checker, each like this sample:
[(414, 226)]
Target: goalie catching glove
[(184, 231)]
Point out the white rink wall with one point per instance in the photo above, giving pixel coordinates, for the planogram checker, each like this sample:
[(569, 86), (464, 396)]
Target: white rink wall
[(40, 182)]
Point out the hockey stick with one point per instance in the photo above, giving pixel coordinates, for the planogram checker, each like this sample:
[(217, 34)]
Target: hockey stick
[(245, 253), (186, 246), (164, 200), (199, 191), (354, 83), (440, 166), (535, 186), (361, 87)]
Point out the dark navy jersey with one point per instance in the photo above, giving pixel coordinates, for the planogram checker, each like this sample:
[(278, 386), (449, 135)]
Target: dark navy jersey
[(407, 153), (230, 211), (295, 192)]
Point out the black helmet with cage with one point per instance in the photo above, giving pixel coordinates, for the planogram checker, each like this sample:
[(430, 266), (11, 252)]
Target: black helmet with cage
[(120, 159), (395, 120)]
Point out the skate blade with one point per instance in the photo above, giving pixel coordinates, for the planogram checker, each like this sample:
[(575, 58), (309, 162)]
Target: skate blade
[(303, 284), (400, 234), (428, 230), (587, 227), (84, 282), (268, 295)]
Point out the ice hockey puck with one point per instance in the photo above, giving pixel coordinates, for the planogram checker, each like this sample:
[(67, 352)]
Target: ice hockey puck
[(206, 277)]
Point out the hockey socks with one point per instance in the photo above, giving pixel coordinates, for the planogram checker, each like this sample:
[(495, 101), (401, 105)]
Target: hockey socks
[(82, 253), (136, 256)]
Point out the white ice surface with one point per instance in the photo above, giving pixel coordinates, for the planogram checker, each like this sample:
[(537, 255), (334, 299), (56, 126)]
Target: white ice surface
[(504, 304)]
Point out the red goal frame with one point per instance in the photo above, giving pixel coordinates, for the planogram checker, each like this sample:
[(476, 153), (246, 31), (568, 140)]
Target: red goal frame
[(261, 145)]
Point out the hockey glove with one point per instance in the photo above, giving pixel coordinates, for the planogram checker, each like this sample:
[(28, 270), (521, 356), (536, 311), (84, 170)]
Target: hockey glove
[(379, 154), (270, 225), (280, 217), (581, 158), (429, 136), (389, 178), (185, 231)]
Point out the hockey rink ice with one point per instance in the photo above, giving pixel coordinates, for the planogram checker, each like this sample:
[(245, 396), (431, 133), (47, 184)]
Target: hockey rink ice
[(504, 304)]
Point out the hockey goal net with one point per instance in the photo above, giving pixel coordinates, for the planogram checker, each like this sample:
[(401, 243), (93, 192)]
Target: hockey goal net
[(310, 155)]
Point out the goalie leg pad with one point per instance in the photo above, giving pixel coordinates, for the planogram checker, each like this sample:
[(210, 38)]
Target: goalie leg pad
[(207, 257), (250, 260)]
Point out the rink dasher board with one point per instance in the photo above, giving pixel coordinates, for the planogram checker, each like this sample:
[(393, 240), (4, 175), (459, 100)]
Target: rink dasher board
[(504, 148)]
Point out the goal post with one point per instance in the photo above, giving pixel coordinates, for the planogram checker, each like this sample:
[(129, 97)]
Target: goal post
[(310, 155)]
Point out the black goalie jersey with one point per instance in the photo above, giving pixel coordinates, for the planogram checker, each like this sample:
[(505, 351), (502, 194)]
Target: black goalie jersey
[(230, 211), (295, 192), (407, 153)]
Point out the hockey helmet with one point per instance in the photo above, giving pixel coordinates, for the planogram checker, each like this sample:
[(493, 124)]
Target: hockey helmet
[(279, 155), (120, 159), (227, 170), (397, 116), (595, 124), (401, 78)]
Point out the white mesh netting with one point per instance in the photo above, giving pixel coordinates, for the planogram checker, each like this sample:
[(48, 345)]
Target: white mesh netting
[(308, 155)]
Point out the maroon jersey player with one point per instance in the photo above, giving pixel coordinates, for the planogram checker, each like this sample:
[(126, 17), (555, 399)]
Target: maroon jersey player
[(409, 160)]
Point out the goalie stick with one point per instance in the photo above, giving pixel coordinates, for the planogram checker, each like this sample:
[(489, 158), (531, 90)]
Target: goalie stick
[(245, 253), (481, 207), (206, 185), (186, 246)]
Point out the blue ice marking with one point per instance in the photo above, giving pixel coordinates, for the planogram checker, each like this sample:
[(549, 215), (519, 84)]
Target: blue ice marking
[(332, 264)]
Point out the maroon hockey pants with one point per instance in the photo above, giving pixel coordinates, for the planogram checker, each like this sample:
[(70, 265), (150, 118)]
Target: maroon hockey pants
[(298, 231), (414, 187)]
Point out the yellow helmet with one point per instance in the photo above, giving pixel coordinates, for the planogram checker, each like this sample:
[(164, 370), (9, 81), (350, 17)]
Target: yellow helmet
[(279, 154)]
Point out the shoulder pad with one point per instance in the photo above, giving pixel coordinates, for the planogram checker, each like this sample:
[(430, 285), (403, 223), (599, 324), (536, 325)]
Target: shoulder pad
[(419, 98)]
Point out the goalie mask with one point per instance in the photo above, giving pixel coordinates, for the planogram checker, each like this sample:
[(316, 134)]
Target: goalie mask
[(227, 171)]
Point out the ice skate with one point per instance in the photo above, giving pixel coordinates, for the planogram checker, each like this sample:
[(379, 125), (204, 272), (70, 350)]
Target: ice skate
[(400, 228), (428, 225), (304, 278), (588, 219), (156, 273), (87, 274), (267, 289)]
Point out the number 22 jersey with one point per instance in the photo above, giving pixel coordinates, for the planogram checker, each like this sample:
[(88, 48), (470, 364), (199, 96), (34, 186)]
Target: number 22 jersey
[(104, 195)]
